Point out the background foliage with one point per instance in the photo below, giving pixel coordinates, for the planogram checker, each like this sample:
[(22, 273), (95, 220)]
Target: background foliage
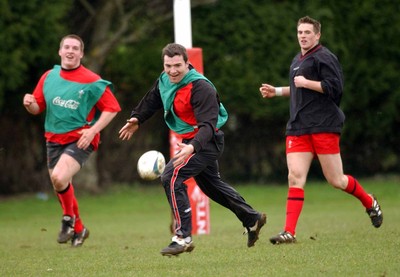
[(244, 44)]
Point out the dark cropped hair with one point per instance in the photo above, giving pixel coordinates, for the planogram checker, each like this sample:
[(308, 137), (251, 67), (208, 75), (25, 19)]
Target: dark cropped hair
[(74, 37), (174, 49), (309, 20)]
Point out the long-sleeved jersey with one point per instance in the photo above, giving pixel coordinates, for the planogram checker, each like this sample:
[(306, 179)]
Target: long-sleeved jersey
[(197, 104), (311, 111)]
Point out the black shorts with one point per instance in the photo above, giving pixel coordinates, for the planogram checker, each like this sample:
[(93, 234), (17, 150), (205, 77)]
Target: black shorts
[(55, 150)]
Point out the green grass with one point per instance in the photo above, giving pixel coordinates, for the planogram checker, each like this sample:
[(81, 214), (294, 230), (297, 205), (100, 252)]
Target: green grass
[(130, 225)]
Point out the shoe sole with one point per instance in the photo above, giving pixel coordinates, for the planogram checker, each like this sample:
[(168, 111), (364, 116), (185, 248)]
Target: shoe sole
[(71, 223), (66, 239), (187, 249), (276, 242), (83, 239), (261, 222), (378, 219)]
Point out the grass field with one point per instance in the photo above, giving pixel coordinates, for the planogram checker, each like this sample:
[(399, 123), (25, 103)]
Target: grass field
[(130, 225)]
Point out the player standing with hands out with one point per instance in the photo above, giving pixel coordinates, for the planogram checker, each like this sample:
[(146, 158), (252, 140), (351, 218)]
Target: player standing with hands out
[(192, 109), (314, 127), (79, 104)]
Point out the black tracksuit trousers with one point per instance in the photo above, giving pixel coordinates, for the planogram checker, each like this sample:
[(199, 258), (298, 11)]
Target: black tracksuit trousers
[(203, 166)]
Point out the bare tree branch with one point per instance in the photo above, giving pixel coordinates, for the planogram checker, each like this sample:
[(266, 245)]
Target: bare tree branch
[(105, 24)]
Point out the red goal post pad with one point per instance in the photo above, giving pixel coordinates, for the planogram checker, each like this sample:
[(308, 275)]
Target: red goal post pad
[(195, 56)]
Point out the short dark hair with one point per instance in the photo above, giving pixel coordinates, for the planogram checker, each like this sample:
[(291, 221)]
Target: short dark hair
[(174, 49), (316, 24), (74, 37)]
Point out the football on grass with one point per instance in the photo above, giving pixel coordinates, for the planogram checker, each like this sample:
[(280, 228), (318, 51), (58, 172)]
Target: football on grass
[(151, 165)]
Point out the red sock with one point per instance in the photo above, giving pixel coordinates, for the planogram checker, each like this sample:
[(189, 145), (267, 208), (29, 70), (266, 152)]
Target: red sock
[(78, 222), (59, 200), (354, 188), (294, 205), (66, 198)]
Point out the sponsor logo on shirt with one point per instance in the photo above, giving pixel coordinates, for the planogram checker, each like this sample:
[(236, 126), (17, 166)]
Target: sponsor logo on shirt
[(69, 104)]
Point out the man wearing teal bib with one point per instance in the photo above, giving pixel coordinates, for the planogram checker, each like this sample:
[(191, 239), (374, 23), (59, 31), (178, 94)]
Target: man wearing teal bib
[(78, 105), (192, 109)]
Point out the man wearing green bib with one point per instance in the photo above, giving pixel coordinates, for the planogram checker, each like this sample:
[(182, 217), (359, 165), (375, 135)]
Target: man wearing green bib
[(192, 109), (78, 105)]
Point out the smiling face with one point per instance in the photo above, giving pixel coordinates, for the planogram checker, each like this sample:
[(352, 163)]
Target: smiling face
[(307, 37), (71, 53), (175, 67)]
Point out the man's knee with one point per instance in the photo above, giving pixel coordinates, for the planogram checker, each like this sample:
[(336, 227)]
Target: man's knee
[(296, 179), (338, 182), (59, 183)]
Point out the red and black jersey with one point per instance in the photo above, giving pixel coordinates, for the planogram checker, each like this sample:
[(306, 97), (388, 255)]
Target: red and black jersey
[(310, 111), (196, 103)]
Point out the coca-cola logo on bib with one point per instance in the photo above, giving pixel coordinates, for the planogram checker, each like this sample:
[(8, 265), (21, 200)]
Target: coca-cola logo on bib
[(69, 104)]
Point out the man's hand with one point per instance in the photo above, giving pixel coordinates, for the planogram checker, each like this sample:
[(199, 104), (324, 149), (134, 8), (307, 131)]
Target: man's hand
[(131, 126), (267, 91), (86, 138), (30, 103), (300, 82), (185, 151)]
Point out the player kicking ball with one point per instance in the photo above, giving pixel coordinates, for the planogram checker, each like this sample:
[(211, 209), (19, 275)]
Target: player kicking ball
[(192, 109)]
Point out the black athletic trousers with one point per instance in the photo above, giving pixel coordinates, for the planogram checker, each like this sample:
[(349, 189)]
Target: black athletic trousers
[(203, 166)]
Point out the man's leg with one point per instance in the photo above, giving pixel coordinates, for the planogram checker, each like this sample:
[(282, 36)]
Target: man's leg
[(176, 191), (333, 171), (210, 183), (64, 161), (298, 166), (60, 177)]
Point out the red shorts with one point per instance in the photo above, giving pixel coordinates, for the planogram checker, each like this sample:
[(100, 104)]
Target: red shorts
[(321, 143)]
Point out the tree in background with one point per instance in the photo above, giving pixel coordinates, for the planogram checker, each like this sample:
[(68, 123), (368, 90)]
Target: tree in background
[(29, 31), (370, 37), (244, 43), (32, 29)]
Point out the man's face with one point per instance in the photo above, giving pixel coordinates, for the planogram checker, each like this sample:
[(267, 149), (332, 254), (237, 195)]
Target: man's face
[(176, 68), (307, 37), (70, 53)]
